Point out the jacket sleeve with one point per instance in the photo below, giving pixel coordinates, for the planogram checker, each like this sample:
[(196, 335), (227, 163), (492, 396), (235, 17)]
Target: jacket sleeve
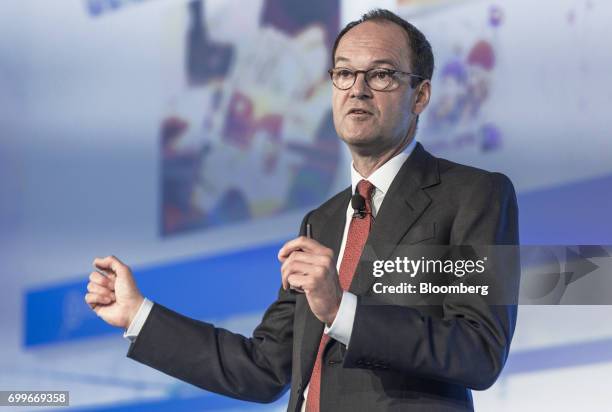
[(255, 369), (469, 343)]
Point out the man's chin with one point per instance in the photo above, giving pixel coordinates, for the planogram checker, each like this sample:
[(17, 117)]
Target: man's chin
[(359, 140), (364, 145)]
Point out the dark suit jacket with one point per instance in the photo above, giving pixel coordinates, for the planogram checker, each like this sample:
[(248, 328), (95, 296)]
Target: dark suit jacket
[(401, 357)]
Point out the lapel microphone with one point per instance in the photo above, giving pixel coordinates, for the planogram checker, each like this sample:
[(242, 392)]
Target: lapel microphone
[(359, 205)]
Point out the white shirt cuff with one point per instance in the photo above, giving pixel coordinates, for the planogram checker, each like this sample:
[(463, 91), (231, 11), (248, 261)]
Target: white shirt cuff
[(141, 316), (342, 327)]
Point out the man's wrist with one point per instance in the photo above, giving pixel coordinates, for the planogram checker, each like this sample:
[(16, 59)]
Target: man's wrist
[(134, 311), (134, 328), (334, 313), (331, 319)]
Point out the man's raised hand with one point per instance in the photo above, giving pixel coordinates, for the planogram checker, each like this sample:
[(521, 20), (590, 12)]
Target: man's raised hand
[(309, 266), (114, 296)]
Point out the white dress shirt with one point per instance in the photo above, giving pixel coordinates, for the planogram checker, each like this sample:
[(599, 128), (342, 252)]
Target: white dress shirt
[(342, 326)]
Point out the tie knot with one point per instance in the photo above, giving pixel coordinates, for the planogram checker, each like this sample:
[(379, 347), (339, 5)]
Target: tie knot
[(365, 189)]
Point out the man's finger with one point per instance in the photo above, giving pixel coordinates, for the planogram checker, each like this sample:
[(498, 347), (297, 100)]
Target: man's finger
[(300, 243), (100, 290), (109, 262), (294, 268), (100, 279), (310, 258), (291, 258), (308, 262), (299, 282), (95, 299), (284, 273)]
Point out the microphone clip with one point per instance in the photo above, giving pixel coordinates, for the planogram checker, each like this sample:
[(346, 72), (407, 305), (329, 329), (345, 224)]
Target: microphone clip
[(359, 214), (358, 204)]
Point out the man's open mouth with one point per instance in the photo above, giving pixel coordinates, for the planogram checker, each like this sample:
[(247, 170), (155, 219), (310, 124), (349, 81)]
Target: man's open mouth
[(358, 111)]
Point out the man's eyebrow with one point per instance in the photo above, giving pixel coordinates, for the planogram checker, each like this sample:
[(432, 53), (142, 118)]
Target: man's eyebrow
[(341, 59), (378, 61)]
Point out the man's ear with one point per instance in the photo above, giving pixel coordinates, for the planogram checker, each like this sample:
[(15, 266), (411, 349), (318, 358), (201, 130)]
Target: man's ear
[(422, 94)]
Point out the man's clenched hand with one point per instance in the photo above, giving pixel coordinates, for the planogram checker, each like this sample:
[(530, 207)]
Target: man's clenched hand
[(309, 266), (114, 297)]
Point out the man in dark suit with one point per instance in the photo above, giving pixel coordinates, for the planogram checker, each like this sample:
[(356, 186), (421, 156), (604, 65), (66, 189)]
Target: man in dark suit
[(340, 345)]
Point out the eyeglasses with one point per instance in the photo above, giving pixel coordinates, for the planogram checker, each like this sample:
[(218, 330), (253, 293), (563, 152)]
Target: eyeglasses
[(376, 79)]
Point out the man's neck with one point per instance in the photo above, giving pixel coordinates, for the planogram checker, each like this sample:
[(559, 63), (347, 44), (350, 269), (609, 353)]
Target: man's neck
[(366, 164)]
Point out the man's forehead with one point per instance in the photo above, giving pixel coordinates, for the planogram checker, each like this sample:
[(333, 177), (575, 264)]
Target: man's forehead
[(376, 42)]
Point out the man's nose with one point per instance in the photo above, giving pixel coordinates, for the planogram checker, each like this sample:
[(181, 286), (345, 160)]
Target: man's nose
[(360, 89)]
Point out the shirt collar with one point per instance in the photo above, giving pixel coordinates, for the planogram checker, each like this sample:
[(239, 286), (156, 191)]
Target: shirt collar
[(384, 175)]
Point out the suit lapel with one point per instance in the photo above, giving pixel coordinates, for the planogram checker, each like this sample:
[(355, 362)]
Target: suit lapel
[(328, 231), (404, 203)]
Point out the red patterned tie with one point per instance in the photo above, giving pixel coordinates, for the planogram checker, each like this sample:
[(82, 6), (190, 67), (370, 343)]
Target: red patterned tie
[(356, 239)]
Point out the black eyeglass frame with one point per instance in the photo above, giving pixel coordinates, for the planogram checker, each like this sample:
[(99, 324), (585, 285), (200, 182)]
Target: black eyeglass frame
[(391, 72)]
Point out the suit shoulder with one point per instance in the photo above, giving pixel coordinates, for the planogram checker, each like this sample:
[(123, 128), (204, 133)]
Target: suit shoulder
[(463, 175)]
